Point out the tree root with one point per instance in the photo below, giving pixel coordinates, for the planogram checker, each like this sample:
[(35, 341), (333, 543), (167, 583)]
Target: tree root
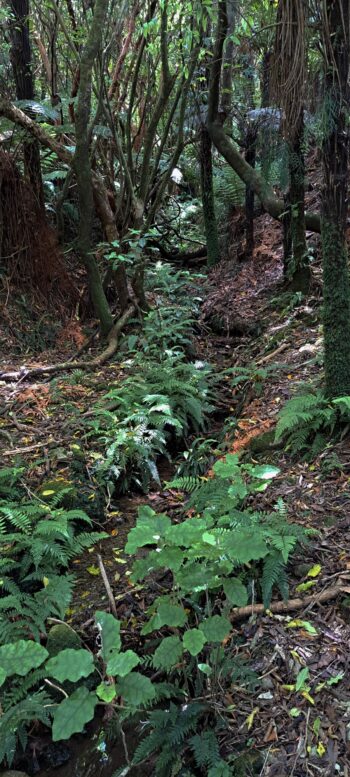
[(291, 604), (51, 369)]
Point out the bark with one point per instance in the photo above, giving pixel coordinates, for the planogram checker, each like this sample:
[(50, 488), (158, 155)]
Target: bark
[(298, 269), (335, 151), (250, 155), (207, 193), (22, 70)]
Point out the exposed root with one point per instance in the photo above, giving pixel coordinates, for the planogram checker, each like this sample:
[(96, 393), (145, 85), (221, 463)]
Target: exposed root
[(51, 369)]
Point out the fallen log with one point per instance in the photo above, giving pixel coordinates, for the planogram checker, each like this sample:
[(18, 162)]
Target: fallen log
[(327, 595)]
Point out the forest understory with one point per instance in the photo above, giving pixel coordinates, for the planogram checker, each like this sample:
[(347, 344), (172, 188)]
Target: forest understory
[(174, 388), (291, 715)]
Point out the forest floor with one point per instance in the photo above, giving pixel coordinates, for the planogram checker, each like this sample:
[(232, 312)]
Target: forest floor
[(300, 731)]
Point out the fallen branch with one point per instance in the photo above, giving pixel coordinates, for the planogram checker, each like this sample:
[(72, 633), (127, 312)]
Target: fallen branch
[(107, 586), (51, 369), (291, 604)]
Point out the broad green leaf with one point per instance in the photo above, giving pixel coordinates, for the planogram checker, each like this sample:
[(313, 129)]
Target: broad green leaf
[(70, 665), (153, 624), (136, 689), (236, 592), (149, 529), (188, 532), (172, 614), (2, 676), (238, 490), (122, 663), (216, 628), (73, 713), (110, 634), (265, 472), (168, 653), (245, 546), (21, 656), (227, 468), (106, 692), (193, 641)]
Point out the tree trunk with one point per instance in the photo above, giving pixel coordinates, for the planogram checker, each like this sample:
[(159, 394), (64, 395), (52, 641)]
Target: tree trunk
[(335, 151), (82, 166), (250, 155), (21, 64), (298, 270), (207, 192)]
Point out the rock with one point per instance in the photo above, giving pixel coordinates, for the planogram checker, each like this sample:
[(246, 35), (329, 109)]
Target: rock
[(61, 637), (13, 773)]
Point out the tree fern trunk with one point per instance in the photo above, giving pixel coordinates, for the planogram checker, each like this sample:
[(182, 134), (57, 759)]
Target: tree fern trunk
[(336, 287)]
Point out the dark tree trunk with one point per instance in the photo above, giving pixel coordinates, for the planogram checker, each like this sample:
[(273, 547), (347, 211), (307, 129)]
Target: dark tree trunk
[(298, 270), (208, 203), (336, 288), (21, 64), (250, 154)]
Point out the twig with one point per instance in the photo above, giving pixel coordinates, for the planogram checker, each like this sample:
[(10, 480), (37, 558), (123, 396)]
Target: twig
[(292, 604), (107, 586)]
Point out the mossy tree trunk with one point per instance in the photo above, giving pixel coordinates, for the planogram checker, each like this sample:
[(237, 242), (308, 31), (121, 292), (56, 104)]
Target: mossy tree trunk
[(335, 151), (207, 194), (82, 166)]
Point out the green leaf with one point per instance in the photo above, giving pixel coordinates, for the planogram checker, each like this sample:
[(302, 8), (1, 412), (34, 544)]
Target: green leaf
[(73, 713), (70, 665), (149, 528), (221, 769), (265, 472), (171, 615), (21, 656), (106, 692), (122, 663), (227, 468), (168, 653), (136, 689), (216, 628), (245, 546), (236, 592), (110, 634), (206, 669), (193, 641), (303, 675), (2, 676)]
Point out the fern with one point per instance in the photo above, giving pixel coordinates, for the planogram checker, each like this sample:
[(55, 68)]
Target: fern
[(306, 422), (273, 568)]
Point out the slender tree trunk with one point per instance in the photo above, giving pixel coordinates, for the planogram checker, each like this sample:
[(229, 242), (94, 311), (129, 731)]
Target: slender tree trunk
[(82, 166), (250, 154), (336, 288), (208, 202), (298, 269), (21, 64)]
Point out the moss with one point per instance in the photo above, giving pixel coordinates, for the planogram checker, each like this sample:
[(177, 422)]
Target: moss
[(336, 311)]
